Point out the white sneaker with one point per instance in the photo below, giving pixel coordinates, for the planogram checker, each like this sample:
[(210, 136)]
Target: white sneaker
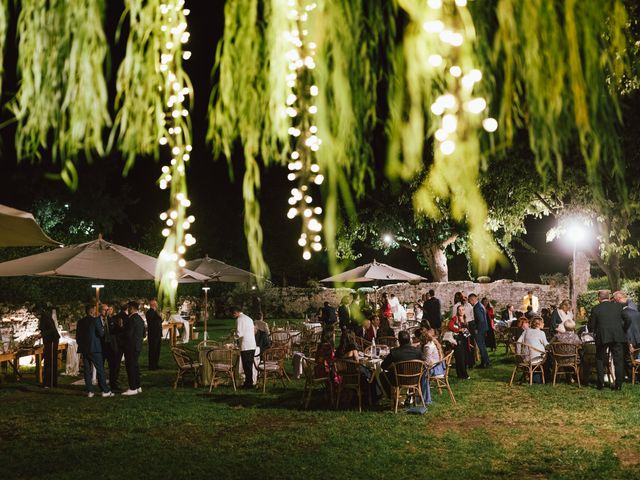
[(90, 394), (130, 392), (139, 389), (108, 394)]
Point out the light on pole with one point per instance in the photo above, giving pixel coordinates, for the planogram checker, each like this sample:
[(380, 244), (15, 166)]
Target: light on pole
[(97, 287), (206, 310)]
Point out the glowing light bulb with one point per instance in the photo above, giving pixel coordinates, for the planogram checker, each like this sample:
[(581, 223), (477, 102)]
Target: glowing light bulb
[(306, 255), (476, 105), (490, 124), (435, 60), (433, 26), (455, 71), (447, 147), (449, 123)]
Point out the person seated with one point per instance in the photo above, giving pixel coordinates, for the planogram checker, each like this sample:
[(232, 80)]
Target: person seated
[(385, 329), (347, 350), (372, 332), (521, 325), (400, 354), (433, 353), (325, 359), (568, 335), (535, 337), (530, 313)]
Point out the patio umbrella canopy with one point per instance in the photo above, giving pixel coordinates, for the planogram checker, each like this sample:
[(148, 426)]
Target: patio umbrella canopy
[(218, 271), (374, 271), (97, 259), (20, 229)]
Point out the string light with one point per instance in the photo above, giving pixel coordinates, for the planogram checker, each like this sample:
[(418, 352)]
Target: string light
[(449, 36), (303, 168), (176, 91)]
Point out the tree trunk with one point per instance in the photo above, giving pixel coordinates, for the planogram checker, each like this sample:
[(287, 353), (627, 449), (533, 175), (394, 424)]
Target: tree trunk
[(437, 261), (611, 269)]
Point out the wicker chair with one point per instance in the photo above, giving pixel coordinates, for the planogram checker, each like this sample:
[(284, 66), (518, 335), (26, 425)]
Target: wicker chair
[(362, 343), (407, 375), (221, 361), (523, 354), (311, 381), (309, 342), (351, 379), (635, 364), (272, 364), (566, 359), (186, 364), (442, 381), (390, 342), (281, 339)]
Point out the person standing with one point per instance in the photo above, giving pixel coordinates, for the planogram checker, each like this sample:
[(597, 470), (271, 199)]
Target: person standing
[(328, 318), (89, 331), (432, 311), (116, 329), (50, 337), (482, 327), (458, 326), (107, 341), (154, 332), (133, 334), (245, 331), (608, 325), (344, 314), (530, 300)]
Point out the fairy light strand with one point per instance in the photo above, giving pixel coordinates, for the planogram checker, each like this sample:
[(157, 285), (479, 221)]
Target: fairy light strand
[(176, 137), (300, 107), (457, 109)]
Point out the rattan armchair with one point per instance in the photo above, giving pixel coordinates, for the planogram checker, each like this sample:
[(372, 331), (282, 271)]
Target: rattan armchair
[(311, 381), (523, 355), (407, 376), (566, 359), (390, 342), (281, 339), (442, 381), (272, 364), (635, 363), (186, 364), (351, 378), (222, 362)]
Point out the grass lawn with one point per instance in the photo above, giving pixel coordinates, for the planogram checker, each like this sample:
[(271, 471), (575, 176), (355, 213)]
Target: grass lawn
[(493, 431)]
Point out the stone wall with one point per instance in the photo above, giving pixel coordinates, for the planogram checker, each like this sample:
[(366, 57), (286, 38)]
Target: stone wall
[(295, 302)]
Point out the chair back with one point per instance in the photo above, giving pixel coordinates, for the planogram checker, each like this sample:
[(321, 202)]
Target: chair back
[(220, 357), (182, 358), (309, 370), (525, 353), (362, 343), (274, 354), (407, 373), (280, 337), (207, 344), (349, 371), (388, 341), (447, 363), (565, 354)]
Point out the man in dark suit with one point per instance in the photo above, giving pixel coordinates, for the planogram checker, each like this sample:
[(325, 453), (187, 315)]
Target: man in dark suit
[(89, 331), (431, 310), (154, 333), (109, 349), (401, 354), (482, 327), (116, 329), (607, 324), (344, 315), (133, 334), (50, 338)]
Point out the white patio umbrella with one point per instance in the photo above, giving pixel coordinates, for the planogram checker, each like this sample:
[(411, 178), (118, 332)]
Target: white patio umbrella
[(217, 271), (20, 229), (97, 259), (374, 271)]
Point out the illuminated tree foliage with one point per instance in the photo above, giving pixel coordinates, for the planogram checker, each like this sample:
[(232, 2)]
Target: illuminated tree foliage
[(61, 104)]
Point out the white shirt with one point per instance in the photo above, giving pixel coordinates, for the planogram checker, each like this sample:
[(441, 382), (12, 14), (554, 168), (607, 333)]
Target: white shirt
[(564, 316), (245, 331), (533, 302), (394, 303)]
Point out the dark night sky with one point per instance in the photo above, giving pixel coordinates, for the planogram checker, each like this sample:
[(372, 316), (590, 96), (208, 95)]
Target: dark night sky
[(216, 201)]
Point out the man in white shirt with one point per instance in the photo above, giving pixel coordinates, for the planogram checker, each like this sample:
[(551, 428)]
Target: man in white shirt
[(246, 333)]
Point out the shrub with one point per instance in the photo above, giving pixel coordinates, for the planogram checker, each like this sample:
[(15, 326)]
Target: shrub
[(598, 283), (632, 289), (586, 301), (554, 279)]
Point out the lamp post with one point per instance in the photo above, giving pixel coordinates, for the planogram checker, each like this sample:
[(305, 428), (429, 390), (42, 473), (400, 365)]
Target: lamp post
[(206, 310), (97, 287)]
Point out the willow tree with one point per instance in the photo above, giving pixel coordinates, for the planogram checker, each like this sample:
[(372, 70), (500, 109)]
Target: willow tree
[(445, 67)]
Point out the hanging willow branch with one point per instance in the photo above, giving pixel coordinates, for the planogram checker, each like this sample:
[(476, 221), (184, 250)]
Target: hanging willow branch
[(62, 100), (140, 118), (564, 65), (4, 20)]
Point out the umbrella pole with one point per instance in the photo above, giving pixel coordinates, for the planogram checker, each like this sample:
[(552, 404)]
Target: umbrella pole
[(97, 287), (206, 310)]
